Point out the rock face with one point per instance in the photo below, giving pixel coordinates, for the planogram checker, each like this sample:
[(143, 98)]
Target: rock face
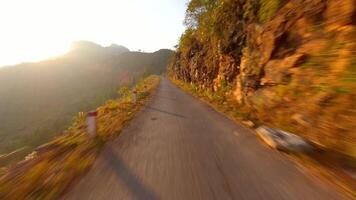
[(294, 69)]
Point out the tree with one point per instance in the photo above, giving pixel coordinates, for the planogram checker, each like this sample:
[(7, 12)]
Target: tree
[(196, 11)]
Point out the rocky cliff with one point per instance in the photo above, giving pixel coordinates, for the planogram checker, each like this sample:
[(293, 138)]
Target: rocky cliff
[(288, 63)]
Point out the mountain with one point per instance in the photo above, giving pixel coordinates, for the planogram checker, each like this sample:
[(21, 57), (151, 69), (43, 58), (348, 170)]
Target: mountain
[(117, 49), (86, 48), (38, 100), (155, 62), (90, 50)]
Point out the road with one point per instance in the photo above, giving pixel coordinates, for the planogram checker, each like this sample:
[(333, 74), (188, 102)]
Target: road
[(178, 148)]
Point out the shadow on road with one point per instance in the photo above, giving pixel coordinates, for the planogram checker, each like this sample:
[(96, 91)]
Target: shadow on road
[(136, 187), (165, 112)]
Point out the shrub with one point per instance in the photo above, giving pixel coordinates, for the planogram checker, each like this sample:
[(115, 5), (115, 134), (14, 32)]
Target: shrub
[(267, 9)]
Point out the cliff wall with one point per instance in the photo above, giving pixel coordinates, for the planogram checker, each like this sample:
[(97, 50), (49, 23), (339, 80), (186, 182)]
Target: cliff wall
[(289, 64)]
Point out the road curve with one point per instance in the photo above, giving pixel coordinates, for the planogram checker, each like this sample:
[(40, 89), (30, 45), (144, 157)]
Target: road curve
[(178, 148)]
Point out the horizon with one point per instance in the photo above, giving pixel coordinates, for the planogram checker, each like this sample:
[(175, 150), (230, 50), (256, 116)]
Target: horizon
[(138, 25), (70, 49)]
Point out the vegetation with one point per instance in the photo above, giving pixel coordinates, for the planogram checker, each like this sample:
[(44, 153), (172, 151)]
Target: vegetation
[(287, 64), (38, 100), (217, 100), (47, 172), (317, 162), (253, 52), (267, 9)]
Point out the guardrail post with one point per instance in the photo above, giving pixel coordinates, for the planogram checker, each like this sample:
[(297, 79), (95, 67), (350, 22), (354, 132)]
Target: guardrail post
[(91, 123)]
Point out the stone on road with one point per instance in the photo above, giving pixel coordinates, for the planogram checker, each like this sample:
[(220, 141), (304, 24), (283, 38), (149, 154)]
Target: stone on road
[(178, 148)]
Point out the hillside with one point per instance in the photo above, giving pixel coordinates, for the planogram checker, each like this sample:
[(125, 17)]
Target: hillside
[(55, 166), (288, 64), (38, 100)]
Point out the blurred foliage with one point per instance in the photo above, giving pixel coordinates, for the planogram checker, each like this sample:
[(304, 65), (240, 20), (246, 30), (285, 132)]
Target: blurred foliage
[(47, 172), (222, 33), (218, 100), (287, 64), (267, 9), (124, 91)]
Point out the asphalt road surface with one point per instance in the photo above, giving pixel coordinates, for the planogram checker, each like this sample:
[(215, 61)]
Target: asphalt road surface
[(178, 148)]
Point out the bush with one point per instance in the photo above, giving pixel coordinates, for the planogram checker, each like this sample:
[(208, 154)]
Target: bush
[(267, 9)]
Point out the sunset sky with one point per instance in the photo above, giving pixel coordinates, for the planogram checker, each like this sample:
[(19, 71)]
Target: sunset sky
[(33, 30)]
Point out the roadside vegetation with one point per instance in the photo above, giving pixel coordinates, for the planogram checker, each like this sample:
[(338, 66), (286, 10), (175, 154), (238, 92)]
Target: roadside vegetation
[(39, 100), (289, 65), (51, 168), (323, 164)]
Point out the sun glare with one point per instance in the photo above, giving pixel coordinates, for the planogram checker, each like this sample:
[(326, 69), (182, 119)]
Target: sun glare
[(37, 29), (32, 53)]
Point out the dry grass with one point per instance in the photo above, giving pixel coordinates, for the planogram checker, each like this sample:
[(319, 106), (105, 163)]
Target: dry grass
[(48, 172)]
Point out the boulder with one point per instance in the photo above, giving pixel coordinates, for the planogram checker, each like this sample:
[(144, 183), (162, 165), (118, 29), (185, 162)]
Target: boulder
[(300, 119), (282, 140), (269, 136), (277, 71), (294, 143), (248, 123)]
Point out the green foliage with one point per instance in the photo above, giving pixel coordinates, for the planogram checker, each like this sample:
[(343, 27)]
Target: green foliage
[(267, 9), (321, 87), (217, 99), (186, 39), (342, 90), (350, 73), (321, 59), (124, 91), (197, 10), (317, 90), (250, 10), (225, 87), (213, 26)]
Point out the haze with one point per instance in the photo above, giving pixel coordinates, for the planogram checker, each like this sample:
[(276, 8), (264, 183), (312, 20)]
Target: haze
[(38, 29)]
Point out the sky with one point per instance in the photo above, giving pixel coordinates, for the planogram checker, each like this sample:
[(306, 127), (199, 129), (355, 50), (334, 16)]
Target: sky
[(33, 30)]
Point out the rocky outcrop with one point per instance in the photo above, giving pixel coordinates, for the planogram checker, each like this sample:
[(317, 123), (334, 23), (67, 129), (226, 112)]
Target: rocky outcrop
[(295, 69)]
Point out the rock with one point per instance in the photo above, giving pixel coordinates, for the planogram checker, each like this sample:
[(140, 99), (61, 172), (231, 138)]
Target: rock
[(275, 74), (31, 156), (294, 60), (294, 143), (340, 13), (263, 98), (299, 118), (277, 71), (269, 136), (276, 77), (248, 123), (312, 47), (237, 93), (282, 140)]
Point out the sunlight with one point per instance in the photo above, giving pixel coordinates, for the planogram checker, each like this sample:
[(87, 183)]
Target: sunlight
[(31, 52), (177, 99), (38, 29)]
